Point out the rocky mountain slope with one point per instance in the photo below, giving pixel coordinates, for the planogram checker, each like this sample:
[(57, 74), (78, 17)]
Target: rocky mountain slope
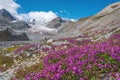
[(5, 15), (56, 23), (7, 20), (12, 29), (10, 35), (101, 25)]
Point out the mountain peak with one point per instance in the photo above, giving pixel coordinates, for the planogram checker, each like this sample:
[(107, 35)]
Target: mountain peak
[(3, 10), (56, 23), (32, 21), (5, 15)]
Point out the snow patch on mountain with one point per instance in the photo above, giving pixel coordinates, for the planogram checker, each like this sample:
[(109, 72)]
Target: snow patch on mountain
[(41, 29)]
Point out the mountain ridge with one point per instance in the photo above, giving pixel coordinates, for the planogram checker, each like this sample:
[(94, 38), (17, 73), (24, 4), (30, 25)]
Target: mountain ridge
[(93, 26), (104, 23)]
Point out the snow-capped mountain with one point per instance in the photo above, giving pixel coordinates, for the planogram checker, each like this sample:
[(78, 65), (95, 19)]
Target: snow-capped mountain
[(102, 24), (11, 29), (32, 27)]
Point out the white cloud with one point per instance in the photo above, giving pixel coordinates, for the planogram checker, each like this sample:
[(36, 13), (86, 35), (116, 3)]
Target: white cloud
[(39, 16), (23, 17), (69, 19), (61, 11), (42, 16), (9, 5), (73, 20), (64, 12)]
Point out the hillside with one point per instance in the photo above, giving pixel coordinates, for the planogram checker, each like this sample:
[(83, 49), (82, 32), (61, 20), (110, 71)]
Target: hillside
[(102, 24), (87, 49)]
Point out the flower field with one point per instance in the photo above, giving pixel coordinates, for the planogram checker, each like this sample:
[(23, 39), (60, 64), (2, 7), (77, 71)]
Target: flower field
[(92, 61), (78, 60)]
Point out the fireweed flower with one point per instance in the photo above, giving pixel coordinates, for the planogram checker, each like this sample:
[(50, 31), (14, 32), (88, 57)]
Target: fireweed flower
[(88, 61)]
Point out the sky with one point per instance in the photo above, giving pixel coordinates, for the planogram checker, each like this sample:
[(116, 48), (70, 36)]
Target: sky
[(46, 10)]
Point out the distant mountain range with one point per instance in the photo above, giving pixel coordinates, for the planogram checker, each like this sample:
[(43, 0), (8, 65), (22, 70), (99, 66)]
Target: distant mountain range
[(99, 26)]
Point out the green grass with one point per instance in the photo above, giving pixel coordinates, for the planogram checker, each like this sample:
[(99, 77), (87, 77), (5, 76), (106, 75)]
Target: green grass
[(117, 32), (21, 73), (7, 61)]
